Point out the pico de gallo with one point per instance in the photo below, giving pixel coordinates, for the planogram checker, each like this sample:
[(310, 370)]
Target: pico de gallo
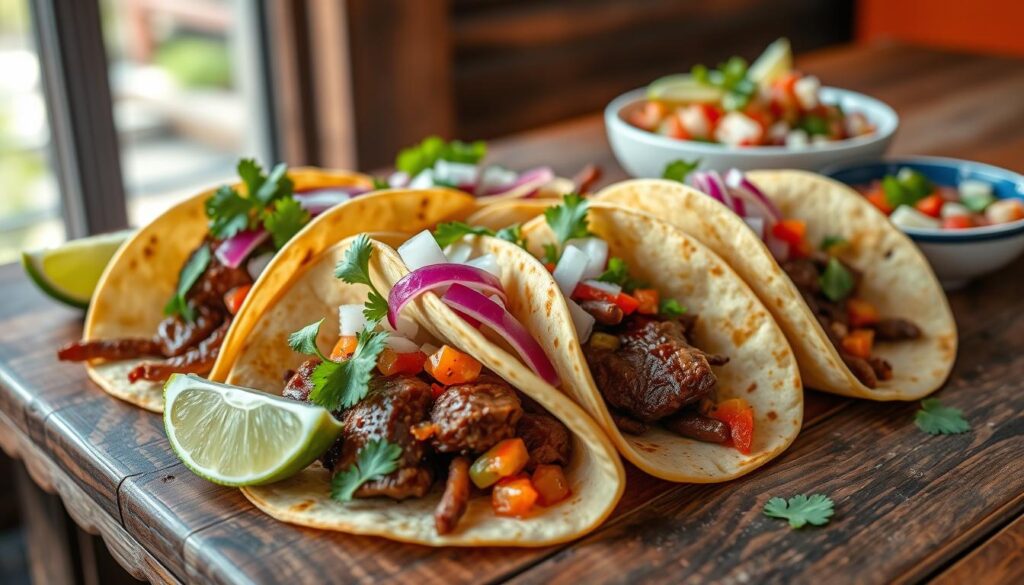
[(912, 201), (765, 104)]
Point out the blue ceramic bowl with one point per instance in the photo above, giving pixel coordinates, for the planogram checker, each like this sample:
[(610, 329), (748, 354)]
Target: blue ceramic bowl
[(957, 256)]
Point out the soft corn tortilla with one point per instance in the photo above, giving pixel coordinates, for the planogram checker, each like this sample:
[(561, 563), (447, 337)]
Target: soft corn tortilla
[(142, 275), (595, 474), (897, 278), (552, 189), (762, 369)]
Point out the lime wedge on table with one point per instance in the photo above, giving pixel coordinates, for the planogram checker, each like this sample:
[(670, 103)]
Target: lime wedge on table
[(69, 273), (236, 436), (774, 62), (683, 88)]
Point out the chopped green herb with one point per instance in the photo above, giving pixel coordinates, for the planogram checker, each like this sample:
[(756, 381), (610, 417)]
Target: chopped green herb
[(568, 220), (830, 242), (354, 268), (731, 77), (379, 183), (678, 170), (617, 272), (338, 385), (935, 419), (512, 233), (551, 254), (671, 308), (813, 124), (914, 183), (836, 281), (448, 233), (276, 186), (425, 155), (304, 340), (801, 510), (376, 459), (286, 219), (229, 212), (190, 273)]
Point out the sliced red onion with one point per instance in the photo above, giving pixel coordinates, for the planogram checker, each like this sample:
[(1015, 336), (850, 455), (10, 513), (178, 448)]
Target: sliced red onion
[(596, 250), (438, 276), (470, 302), (756, 224), (317, 201), (234, 250), (257, 264), (398, 179), (488, 262), (702, 181), (421, 250), (569, 270), (527, 184), (350, 320), (607, 287), (582, 321), (400, 344), (739, 182), (717, 183)]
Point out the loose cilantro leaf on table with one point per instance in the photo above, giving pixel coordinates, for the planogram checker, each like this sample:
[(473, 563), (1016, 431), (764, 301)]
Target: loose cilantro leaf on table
[(190, 273), (836, 281), (287, 218), (448, 233), (678, 170), (568, 220), (354, 268), (801, 510), (671, 308), (425, 155), (936, 419), (376, 459)]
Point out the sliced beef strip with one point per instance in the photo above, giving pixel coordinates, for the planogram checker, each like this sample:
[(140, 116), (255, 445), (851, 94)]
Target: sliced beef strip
[(455, 498), (695, 425), (176, 335), (215, 281), (300, 383), (547, 439), (392, 406), (896, 329), (472, 418), (861, 369), (198, 360), (109, 349), (881, 367), (628, 425), (604, 312), (654, 372)]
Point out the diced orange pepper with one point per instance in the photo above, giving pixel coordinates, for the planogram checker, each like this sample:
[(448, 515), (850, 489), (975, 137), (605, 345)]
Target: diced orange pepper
[(451, 366), (861, 313), (957, 222), (345, 347), (550, 266), (739, 415), (423, 431), (931, 205), (506, 458), (585, 292), (649, 116), (551, 484), (858, 342), (791, 231), (513, 496), (877, 198), (627, 303), (647, 299), (391, 362), (234, 298)]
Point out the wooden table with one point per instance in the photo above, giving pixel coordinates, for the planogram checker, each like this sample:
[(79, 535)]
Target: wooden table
[(909, 506)]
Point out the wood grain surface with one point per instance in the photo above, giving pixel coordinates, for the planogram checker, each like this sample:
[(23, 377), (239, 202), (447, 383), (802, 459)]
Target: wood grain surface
[(909, 506)]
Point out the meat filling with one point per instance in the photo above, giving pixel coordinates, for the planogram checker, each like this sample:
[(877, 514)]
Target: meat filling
[(547, 440), (456, 497), (472, 418)]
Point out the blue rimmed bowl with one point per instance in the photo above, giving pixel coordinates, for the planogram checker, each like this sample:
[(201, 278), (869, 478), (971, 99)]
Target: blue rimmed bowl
[(957, 256)]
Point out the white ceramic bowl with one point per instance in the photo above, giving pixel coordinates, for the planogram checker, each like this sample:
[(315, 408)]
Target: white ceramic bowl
[(645, 154)]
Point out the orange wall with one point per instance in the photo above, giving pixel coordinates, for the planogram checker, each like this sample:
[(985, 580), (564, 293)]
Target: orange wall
[(988, 26)]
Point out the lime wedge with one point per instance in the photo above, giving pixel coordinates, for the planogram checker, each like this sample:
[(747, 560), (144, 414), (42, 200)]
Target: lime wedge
[(235, 436), (683, 88), (69, 273), (774, 62)]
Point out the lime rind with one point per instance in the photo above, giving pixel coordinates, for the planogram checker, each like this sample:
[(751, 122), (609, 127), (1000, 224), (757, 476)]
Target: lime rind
[(683, 88), (70, 273), (774, 62)]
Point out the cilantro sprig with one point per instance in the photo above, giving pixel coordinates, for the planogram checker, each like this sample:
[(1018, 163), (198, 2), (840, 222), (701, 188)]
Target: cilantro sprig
[(836, 281), (448, 233), (617, 272), (376, 459), (801, 510), (936, 419), (268, 203), (354, 268), (671, 308), (190, 273), (425, 155), (678, 170), (338, 385), (568, 220), (828, 243), (730, 77)]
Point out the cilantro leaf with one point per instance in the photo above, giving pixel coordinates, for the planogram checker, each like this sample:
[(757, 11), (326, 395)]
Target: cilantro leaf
[(376, 459), (287, 218), (338, 385), (379, 183), (568, 220), (836, 281), (304, 340), (453, 231), (550, 254), (354, 267), (276, 186), (251, 174), (678, 170), (512, 233), (190, 273), (671, 308), (617, 272), (829, 242), (228, 212), (935, 419), (801, 510), (376, 307), (425, 155)]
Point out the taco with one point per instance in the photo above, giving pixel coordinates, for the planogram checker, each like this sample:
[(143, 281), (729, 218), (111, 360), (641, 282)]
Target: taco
[(435, 400), (650, 332), (171, 295), (859, 303)]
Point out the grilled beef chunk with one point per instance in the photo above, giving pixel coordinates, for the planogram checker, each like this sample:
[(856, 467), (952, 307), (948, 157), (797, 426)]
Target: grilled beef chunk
[(177, 336), (628, 425), (695, 425), (895, 329), (547, 440), (217, 280), (300, 383), (604, 312), (472, 418), (455, 498), (654, 372), (391, 407), (198, 360), (861, 369), (882, 368)]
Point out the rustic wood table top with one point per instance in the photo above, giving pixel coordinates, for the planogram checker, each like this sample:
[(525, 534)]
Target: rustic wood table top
[(909, 506)]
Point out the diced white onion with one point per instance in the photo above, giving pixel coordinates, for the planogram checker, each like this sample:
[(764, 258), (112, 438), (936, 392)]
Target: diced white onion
[(424, 180), (596, 250), (954, 209), (1005, 211), (806, 91), (756, 224), (906, 216), (608, 287), (797, 139), (459, 252), (257, 264), (351, 319), (778, 131), (497, 300), (694, 120), (487, 262), (972, 188), (581, 320), (401, 344), (736, 128), (429, 348), (407, 326), (494, 177), (455, 173), (421, 250), (398, 179), (569, 270)]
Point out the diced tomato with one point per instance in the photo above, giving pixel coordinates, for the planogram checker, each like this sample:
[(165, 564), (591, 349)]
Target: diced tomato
[(649, 116), (858, 342), (713, 114), (234, 298), (451, 366), (550, 483), (585, 292), (739, 415), (436, 390), (514, 496), (931, 205), (423, 431), (647, 301), (674, 128), (550, 266), (957, 222), (391, 362), (793, 232), (506, 458), (627, 303), (861, 312), (877, 198), (345, 347)]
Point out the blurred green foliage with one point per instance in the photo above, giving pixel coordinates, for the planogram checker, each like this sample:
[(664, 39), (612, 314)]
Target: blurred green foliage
[(196, 62)]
